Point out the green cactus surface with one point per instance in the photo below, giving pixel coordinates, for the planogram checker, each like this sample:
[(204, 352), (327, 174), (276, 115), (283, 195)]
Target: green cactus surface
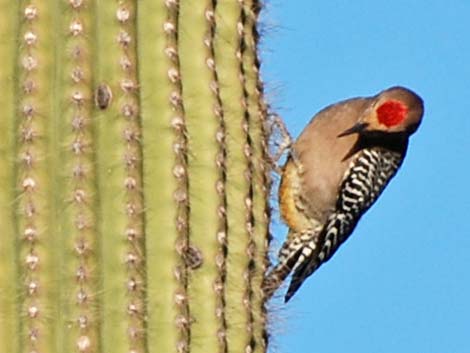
[(134, 177)]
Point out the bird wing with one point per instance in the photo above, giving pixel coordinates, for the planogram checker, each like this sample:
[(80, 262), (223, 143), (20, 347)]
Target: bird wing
[(369, 174)]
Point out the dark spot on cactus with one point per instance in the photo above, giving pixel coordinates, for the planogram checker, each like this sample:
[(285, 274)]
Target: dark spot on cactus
[(103, 96), (192, 257)]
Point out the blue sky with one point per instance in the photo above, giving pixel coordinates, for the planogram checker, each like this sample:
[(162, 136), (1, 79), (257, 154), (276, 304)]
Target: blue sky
[(400, 283)]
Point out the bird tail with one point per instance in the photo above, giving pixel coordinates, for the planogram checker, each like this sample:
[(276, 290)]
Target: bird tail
[(292, 254), (278, 274), (301, 272)]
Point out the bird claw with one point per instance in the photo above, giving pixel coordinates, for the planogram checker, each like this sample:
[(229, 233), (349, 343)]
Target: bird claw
[(280, 141)]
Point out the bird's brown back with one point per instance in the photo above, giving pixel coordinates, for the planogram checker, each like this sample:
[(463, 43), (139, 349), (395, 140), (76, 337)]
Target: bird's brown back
[(324, 157)]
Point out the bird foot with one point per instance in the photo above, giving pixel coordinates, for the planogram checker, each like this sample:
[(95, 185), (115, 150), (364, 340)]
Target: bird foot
[(280, 141)]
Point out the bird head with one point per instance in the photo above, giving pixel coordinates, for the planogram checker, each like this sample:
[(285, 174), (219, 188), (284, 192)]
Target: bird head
[(395, 110)]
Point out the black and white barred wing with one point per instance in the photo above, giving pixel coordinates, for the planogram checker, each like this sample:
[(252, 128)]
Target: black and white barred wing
[(369, 174)]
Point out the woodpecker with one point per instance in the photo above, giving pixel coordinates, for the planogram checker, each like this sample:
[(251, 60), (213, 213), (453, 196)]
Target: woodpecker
[(335, 171)]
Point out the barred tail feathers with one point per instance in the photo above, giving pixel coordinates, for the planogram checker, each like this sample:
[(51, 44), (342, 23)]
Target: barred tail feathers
[(293, 253)]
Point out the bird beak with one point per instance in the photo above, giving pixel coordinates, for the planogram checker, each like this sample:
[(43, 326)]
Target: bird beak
[(356, 129)]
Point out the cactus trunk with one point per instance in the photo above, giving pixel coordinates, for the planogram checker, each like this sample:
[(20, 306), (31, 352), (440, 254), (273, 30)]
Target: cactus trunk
[(134, 177)]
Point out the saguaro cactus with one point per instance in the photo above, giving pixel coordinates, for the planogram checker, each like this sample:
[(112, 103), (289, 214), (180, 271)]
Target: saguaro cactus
[(133, 177)]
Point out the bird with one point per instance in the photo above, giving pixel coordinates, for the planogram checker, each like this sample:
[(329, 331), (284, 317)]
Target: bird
[(334, 172)]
